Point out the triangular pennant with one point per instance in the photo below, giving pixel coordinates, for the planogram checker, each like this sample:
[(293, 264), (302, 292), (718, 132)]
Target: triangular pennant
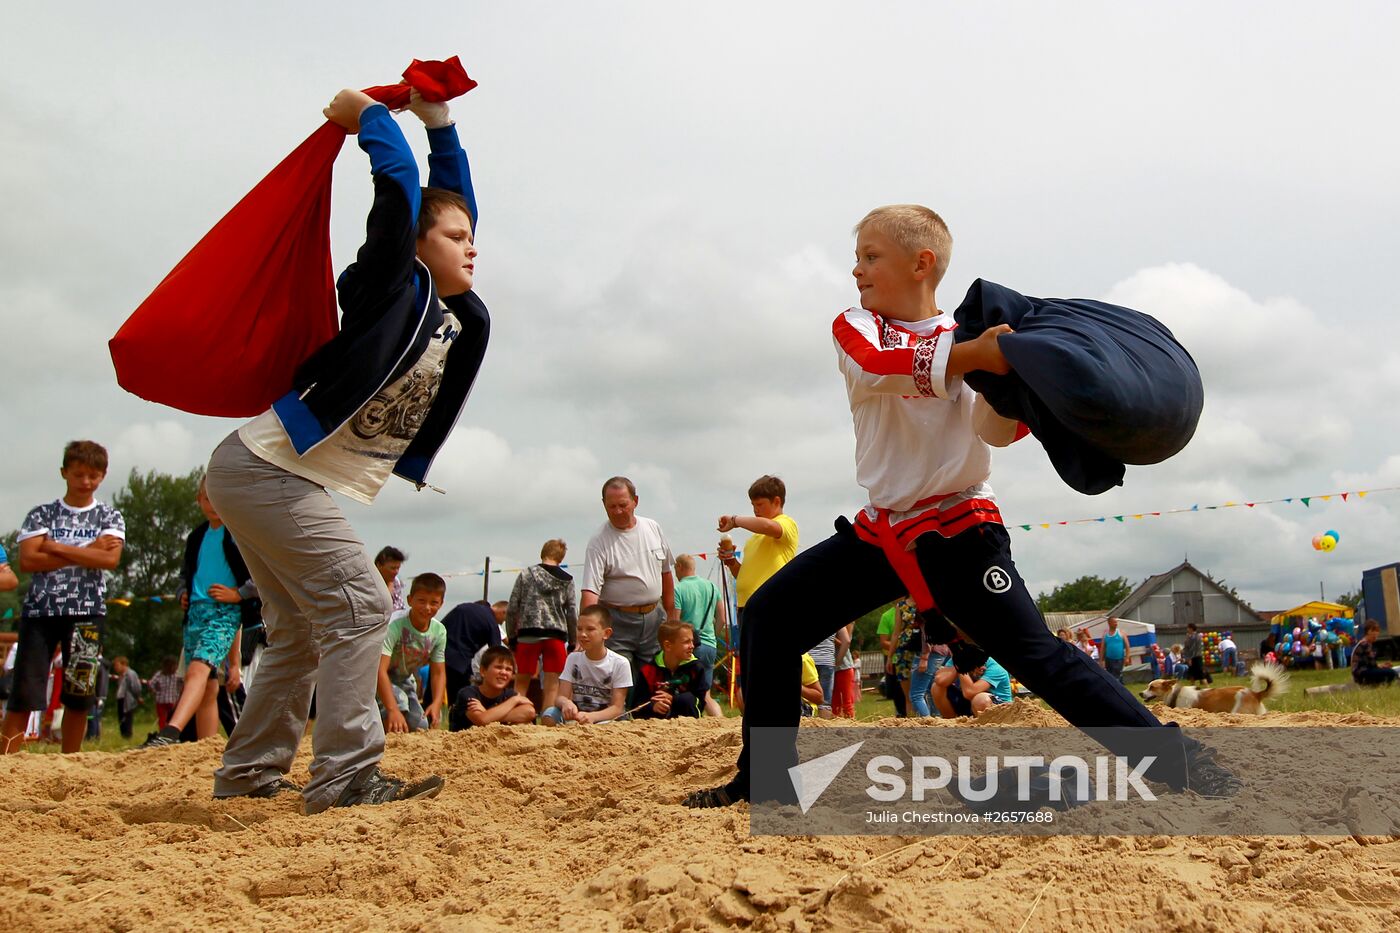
[(1344, 496), (702, 556), (1325, 498), (1100, 519), (1250, 504), (1044, 524), (1025, 527), (1305, 501), (1361, 494), (1117, 518)]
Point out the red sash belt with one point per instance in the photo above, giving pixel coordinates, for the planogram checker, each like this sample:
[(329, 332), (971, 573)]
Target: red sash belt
[(897, 540)]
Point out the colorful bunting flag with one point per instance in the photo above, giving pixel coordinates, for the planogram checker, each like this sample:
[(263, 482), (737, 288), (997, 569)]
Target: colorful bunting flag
[(1197, 507)]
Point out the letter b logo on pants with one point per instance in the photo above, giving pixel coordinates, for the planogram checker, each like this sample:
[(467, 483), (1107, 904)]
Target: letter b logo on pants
[(996, 580)]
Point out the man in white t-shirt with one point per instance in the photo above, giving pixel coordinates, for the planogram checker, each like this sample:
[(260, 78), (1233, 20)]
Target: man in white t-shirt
[(628, 569)]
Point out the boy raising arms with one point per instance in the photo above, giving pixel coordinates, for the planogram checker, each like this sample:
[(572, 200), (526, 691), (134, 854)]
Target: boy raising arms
[(378, 398), (931, 529), (415, 638), (596, 679), (68, 545)]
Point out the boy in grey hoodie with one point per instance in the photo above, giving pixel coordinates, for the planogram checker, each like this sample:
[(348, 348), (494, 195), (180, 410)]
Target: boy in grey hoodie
[(541, 621)]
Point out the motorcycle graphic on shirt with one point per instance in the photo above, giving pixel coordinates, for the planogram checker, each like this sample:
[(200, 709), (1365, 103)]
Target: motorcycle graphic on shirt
[(399, 409)]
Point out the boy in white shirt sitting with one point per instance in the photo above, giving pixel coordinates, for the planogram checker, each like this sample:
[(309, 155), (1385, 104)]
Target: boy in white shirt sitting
[(594, 685)]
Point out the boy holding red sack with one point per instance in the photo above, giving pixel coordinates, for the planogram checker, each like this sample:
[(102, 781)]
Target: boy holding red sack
[(379, 397)]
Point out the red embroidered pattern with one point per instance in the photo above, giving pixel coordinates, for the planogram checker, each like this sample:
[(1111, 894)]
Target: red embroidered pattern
[(923, 365), (889, 337)]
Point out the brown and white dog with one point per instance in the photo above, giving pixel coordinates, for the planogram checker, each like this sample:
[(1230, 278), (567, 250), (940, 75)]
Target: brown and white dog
[(1269, 680)]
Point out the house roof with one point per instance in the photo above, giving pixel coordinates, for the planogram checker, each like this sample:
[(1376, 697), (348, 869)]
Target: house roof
[(1147, 587)]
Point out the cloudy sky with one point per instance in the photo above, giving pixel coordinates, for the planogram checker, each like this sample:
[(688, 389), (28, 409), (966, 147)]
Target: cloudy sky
[(667, 193)]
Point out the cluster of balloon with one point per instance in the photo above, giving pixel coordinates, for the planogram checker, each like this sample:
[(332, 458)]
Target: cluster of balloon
[(1326, 541)]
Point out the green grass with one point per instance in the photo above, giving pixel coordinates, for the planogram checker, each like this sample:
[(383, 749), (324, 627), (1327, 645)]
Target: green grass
[(111, 741), (1379, 701)]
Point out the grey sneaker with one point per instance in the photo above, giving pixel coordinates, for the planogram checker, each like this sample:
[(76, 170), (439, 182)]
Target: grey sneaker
[(270, 789), (376, 788)]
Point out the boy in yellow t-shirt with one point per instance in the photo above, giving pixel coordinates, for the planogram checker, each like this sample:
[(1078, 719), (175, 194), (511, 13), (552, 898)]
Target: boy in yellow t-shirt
[(774, 540), (812, 695)]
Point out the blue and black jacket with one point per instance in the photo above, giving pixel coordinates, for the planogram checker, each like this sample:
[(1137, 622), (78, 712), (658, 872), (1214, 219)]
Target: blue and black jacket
[(389, 307), (250, 609), (687, 680)]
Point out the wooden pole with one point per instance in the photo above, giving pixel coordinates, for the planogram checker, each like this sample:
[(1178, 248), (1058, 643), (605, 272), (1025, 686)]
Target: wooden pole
[(486, 582), (731, 626)]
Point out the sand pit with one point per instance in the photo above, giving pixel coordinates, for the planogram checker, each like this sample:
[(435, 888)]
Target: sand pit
[(578, 829)]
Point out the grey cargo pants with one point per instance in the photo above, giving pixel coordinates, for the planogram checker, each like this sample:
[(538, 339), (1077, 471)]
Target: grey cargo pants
[(326, 610)]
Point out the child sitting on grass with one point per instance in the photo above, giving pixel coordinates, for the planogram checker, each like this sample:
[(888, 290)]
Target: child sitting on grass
[(675, 678), (493, 700), (596, 679)]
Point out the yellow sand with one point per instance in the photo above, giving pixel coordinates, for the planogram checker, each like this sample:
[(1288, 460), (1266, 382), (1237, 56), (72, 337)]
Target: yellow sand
[(579, 829)]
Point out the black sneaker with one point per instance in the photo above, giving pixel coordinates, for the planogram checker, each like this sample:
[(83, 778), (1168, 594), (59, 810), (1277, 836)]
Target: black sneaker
[(1208, 777), (712, 798), (264, 791), (1006, 799), (376, 788), (156, 740)]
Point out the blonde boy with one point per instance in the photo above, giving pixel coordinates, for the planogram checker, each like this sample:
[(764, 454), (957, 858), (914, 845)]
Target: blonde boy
[(931, 529)]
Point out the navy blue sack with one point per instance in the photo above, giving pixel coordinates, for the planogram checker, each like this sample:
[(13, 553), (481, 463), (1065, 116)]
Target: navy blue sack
[(1098, 385)]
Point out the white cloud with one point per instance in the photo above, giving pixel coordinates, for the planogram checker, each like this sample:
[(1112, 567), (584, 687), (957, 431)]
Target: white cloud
[(167, 446), (665, 240)]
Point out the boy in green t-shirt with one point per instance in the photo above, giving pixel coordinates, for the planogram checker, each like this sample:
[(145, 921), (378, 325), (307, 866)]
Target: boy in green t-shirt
[(414, 638)]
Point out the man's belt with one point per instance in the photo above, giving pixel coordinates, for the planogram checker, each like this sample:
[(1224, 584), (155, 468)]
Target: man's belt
[(638, 610)]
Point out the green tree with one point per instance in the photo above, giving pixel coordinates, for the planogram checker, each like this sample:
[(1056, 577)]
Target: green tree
[(1351, 600), (1087, 594), (160, 510)]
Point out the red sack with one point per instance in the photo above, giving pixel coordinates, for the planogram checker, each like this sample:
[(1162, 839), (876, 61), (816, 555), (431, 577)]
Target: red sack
[(224, 332)]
